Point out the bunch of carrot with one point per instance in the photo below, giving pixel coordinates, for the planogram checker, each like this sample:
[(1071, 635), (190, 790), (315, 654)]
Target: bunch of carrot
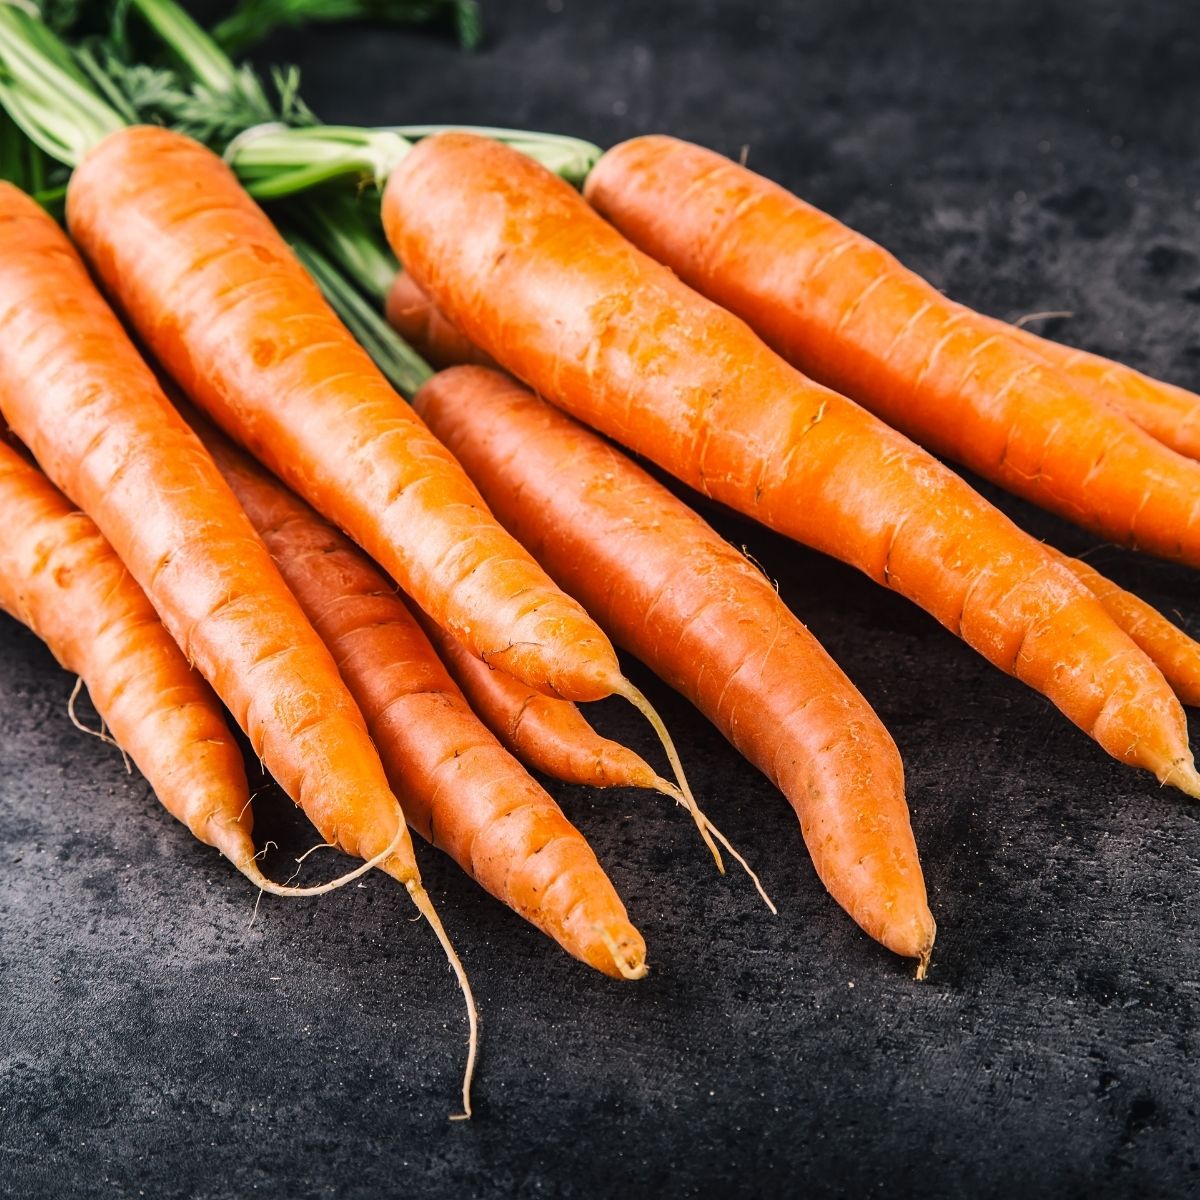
[(672, 307)]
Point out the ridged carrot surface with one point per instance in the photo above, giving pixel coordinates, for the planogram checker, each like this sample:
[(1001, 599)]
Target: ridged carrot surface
[(460, 789), (1166, 412), (1175, 654), (529, 272), (225, 306), (61, 578), (677, 595), (77, 393), (842, 309)]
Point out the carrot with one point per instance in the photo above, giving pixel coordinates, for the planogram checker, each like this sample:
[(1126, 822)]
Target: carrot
[(61, 578), (419, 322), (677, 595), (76, 392), (1166, 412), (222, 302), (460, 788), (846, 312), (1175, 654), (521, 264), (545, 734)]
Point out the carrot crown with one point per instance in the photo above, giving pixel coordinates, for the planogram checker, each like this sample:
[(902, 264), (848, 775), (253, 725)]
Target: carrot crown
[(67, 100), (46, 92)]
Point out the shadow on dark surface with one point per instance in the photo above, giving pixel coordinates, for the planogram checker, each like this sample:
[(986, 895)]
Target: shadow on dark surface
[(153, 1040)]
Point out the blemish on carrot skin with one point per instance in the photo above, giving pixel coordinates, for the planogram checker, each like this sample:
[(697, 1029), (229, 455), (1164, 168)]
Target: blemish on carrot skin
[(263, 351)]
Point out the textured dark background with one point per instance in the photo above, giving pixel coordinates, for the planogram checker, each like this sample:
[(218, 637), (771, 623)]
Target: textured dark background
[(153, 1041)]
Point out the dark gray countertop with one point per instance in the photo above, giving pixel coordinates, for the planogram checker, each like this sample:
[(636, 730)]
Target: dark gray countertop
[(1025, 156)]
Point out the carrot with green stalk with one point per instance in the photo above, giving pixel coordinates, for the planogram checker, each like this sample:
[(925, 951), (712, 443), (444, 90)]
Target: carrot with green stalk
[(843, 310), (536, 278), (76, 392), (251, 341)]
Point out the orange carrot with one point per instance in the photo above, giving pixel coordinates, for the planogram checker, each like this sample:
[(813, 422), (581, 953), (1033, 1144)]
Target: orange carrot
[(414, 317), (76, 392), (1175, 654), (62, 579), (222, 302), (677, 595), (460, 788), (547, 735), (1169, 413), (522, 265), (845, 311)]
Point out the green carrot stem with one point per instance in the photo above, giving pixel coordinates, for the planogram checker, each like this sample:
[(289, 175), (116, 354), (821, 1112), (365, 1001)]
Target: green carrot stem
[(335, 223), (570, 157)]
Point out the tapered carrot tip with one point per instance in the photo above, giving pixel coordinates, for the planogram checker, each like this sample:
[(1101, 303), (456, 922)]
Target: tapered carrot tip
[(926, 955), (911, 937), (425, 907), (628, 954), (1185, 777), (235, 843), (393, 850)]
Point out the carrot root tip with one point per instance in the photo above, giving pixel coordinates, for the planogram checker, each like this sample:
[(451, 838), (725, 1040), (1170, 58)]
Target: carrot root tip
[(631, 965), (281, 889), (670, 790), (425, 907), (1184, 776), (639, 701)]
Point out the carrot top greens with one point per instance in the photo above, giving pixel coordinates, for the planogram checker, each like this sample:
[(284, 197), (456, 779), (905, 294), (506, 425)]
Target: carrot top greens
[(68, 98)]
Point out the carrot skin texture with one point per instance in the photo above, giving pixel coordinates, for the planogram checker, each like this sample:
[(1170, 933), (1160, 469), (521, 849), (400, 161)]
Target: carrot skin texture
[(522, 265), (1175, 654), (76, 392), (842, 309), (225, 306), (1166, 412), (683, 600), (546, 734), (1163, 410), (420, 323), (61, 578), (459, 787)]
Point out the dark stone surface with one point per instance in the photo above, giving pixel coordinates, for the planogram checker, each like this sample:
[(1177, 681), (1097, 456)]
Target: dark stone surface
[(155, 1041)]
